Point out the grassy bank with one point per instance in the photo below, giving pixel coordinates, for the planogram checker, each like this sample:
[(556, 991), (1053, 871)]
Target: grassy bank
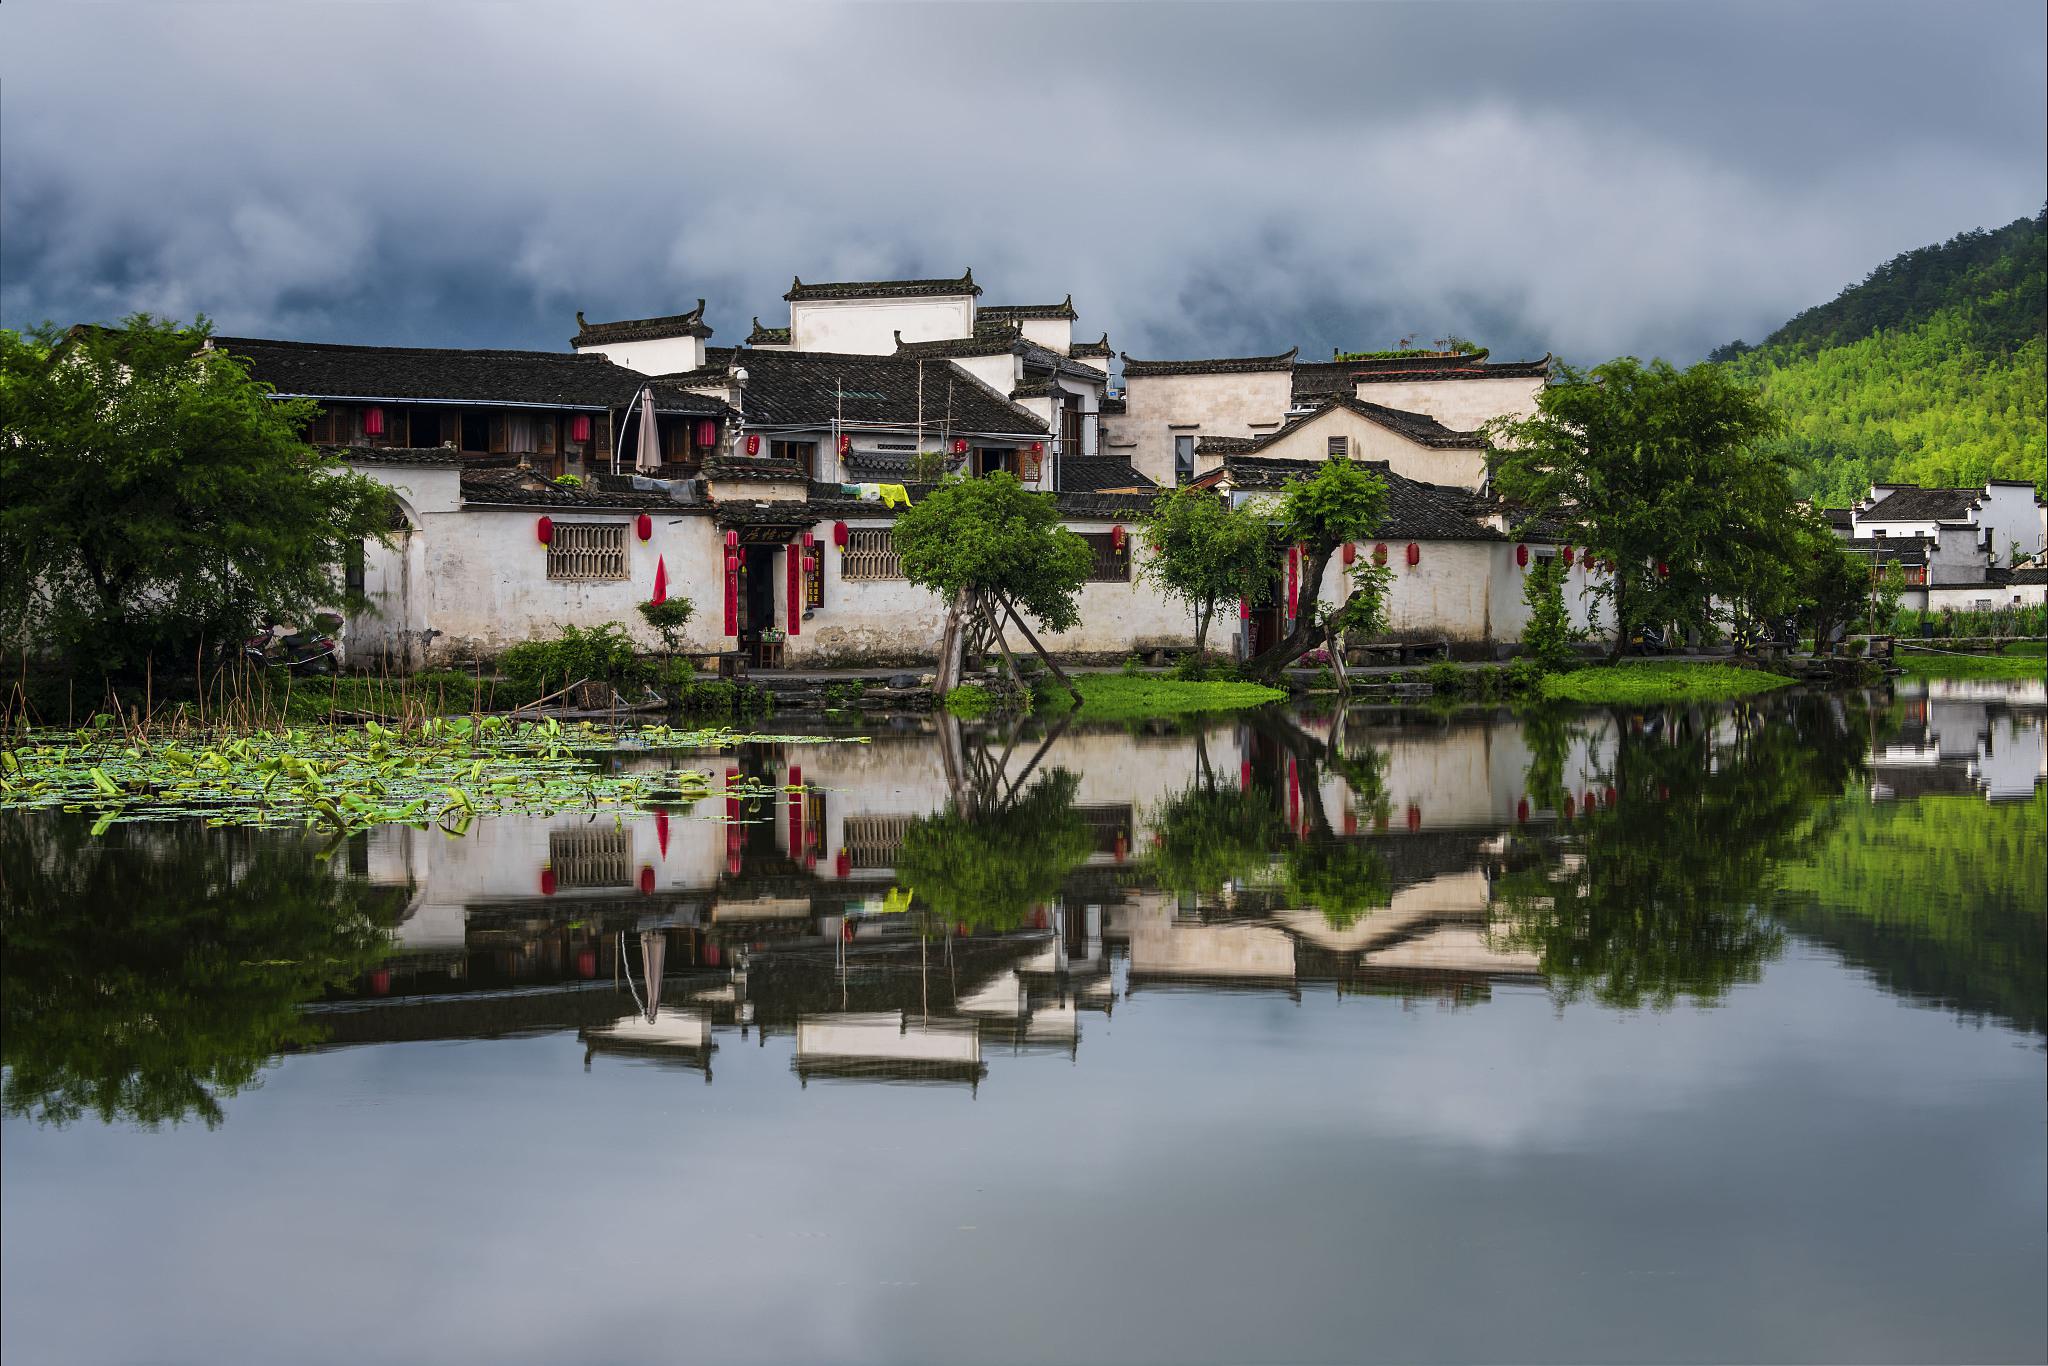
[(1128, 697), (1651, 683), (2023, 660)]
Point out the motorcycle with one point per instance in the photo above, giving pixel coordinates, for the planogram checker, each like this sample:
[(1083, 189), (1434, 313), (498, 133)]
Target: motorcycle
[(1649, 640), (314, 650)]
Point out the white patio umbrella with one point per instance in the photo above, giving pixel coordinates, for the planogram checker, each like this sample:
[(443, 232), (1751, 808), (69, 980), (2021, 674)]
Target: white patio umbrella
[(647, 455)]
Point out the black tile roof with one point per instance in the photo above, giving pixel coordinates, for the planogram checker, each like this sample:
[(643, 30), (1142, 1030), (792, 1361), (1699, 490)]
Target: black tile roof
[(1115, 405), (1904, 549), (1108, 506), (1913, 504), (398, 455), (1838, 517), (1236, 365), (2030, 574), (887, 467), (1097, 350), (1061, 310), (1447, 368), (1420, 428), (811, 388), (431, 374), (986, 341), (524, 488), (690, 324), (1038, 387), (1100, 473), (755, 468), (792, 512), (1416, 511), (881, 289), (767, 336)]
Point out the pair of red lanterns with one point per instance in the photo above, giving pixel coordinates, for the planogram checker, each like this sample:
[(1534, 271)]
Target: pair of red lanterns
[(544, 529)]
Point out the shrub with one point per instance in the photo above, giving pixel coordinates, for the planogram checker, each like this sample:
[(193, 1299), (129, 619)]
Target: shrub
[(603, 653), (1446, 679), (1547, 638), (668, 618), (969, 701)]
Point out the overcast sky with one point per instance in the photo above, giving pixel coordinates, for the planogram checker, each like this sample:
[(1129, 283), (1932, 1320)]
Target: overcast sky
[(1213, 179)]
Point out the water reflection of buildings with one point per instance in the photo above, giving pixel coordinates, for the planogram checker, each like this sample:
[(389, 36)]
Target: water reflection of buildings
[(1965, 737), (781, 914)]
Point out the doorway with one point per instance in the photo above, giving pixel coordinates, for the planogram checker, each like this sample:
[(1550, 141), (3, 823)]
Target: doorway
[(758, 602)]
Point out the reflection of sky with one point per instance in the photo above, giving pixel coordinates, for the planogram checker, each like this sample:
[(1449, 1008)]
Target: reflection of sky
[(1813, 1169)]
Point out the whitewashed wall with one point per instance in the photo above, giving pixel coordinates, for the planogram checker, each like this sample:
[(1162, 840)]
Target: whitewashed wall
[(1368, 440), (868, 327), (1460, 404), (1160, 407), (658, 356)]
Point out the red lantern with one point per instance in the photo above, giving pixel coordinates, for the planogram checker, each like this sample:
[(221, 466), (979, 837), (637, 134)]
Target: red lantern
[(643, 526), (545, 530), (839, 534), (1293, 580), (1116, 538), (809, 540), (732, 540), (732, 592), (579, 427), (373, 422), (1521, 557), (707, 432), (1566, 556), (1414, 554), (845, 443), (1244, 610), (1038, 448), (1663, 570), (647, 879), (1379, 553), (1350, 551), (959, 445), (547, 881), (753, 443)]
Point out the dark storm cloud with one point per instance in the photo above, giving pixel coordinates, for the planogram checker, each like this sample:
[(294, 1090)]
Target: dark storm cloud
[(1591, 179)]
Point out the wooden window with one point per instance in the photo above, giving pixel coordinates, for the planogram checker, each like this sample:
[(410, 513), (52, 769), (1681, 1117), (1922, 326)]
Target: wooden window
[(805, 453), (585, 551), (320, 431), (1111, 564), (875, 841), (871, 554), (1340, 448), (591, 856)]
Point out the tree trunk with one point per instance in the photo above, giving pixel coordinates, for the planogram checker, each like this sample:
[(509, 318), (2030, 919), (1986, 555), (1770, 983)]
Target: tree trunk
[(952, 644), (1204, 614), (1620, 619), (1039, 650), (1266, 667)]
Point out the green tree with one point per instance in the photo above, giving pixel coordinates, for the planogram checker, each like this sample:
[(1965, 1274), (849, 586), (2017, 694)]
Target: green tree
[(1342, 501), (1834, 581), (1204, 552), (159, 499), (151, 971), (1547, 638), (990, 548), (1648, 467)]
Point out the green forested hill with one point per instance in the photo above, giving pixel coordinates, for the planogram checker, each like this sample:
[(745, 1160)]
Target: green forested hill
[(1933, 371)]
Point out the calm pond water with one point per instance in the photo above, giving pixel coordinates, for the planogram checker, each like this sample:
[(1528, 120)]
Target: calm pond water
[(1675, 1035)]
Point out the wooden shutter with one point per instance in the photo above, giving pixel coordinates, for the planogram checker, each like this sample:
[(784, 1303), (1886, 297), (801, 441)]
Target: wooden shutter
[(497, 441)]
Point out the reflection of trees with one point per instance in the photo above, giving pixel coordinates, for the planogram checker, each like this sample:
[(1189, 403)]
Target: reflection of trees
[(1210, 834), (152, 971), (992, 867), (1943, 899), (1658, 893), (1344, 880)]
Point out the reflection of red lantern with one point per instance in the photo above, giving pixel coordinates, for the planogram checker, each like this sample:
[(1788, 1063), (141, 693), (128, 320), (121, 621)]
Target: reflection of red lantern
[(1521, 557), (579, 427), (711, 955), (545, 530), (1607, 797), (732, 862), (1522, 810), (842, 864), (1350, 551), (1379, 553), (846, 929), (373, 422), (380, 982), (547, 882), (1570, 807), (647, 879), (1589, 801), (753, 443), (1122, 846), (586, 964), (1414, 818), (643, 527), (1414, 554), (1350, 822)]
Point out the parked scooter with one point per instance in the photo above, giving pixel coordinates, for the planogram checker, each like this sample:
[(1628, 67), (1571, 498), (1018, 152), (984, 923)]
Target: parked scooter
[(316, 650), (1649, 640)]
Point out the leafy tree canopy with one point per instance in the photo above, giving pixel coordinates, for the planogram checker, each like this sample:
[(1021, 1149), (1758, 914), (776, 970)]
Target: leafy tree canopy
[(991, 535), (1205, 552), (159, 499), (1342, 501)]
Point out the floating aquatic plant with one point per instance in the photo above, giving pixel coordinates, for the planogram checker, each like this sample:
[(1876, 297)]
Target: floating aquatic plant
[(446, 770)]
